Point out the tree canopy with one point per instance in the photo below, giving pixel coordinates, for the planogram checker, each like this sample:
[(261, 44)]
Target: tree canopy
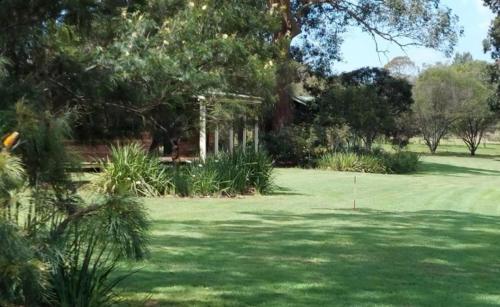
[(127, 66), (317, 27), (476, 111), (454, 96), (312, 32)]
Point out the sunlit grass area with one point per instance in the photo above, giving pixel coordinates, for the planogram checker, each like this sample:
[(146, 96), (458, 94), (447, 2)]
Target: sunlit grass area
[(426, 239), (455, 147)]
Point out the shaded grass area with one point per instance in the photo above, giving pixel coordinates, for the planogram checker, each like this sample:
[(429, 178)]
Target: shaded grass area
[(427, 239)]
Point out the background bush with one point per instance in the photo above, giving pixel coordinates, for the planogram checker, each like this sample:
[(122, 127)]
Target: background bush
[(294, 145), (352, 162), (401, 162), (376, 161)]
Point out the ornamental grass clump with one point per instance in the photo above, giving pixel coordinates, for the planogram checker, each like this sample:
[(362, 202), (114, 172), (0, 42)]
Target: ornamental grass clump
[(351, 162), (131, 170), (242, 172), (375, 162), (225, 174)]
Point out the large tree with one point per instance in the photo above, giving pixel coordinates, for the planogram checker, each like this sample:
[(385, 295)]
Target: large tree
[(312, 31), (439, 93), (492, 44), (402, 67), (476, 114)]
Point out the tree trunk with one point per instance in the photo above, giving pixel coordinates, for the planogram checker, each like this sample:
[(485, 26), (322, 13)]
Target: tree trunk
[(290, 28), (283, 112), (154, 144), (167, 145), (368, 144)]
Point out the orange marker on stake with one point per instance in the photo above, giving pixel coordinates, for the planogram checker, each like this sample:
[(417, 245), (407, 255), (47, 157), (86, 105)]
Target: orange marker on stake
[(11, 140)]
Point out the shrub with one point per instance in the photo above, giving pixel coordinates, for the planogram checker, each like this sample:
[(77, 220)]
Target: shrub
[(401, 162), (130, 169), (242, 173), (203, 180), (374, 162), (225, 174), (294, 145), (351, 162), (181, 182)]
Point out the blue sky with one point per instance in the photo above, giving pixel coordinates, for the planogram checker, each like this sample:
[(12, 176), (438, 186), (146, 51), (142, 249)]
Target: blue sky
[(359, 50)]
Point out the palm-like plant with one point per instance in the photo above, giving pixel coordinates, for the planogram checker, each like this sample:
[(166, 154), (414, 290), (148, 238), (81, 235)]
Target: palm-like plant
[(61, 250), (11, 179), (92, 244), (22, 275)]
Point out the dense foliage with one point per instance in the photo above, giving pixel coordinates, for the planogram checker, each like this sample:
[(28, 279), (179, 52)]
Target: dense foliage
[(294, 145), (133, 66), (369, 100), (130, 66)]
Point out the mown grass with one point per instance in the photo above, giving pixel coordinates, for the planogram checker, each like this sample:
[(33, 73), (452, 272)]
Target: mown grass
[(426, 239)]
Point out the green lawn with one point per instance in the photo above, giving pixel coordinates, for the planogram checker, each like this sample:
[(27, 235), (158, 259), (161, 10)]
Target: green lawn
[(428, 239)]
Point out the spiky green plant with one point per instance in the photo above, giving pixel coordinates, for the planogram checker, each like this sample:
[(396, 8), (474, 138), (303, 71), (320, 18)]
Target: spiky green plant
[(61, 250), (11, 179), (351, 162), (131, 170), (23, 277), (203, 180), (225, 174), (232, 174), (92, 247)]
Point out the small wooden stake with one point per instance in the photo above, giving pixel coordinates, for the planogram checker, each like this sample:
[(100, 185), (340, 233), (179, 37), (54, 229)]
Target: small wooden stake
[(354, 201)]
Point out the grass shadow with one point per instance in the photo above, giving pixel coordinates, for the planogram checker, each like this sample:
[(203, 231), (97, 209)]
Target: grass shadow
[(360, 258), (284, 191), (449, 170)]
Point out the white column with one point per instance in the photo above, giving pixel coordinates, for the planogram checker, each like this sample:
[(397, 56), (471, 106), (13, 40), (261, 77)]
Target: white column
[(244, 137), (256, 134), (203, 130), (231, 138), (216, 139)]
